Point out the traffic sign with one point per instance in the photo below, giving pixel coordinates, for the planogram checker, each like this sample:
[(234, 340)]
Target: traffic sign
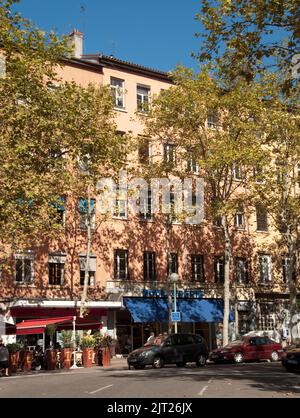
[(176, 316)]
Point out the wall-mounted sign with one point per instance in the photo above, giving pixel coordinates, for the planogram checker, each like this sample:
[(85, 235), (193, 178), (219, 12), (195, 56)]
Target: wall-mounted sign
[(180, 294)]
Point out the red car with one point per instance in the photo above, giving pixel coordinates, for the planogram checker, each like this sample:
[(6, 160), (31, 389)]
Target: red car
[(247, 349)]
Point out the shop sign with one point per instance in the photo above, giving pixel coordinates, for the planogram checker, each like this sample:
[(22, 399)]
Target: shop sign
[(180, 294)]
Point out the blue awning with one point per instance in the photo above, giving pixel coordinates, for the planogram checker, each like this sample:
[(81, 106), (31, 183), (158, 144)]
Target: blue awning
[(145, 310)]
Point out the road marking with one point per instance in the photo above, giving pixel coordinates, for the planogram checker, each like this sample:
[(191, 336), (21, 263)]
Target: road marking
[(99, 390), (201, 393)]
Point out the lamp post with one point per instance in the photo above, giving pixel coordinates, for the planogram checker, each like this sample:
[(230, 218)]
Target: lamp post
[(174, 279), (74, 344)]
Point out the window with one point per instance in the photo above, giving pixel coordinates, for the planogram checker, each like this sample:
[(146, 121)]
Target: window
[(258, 174), (192, 164), (173, 263), (121, 205), (149, 266), (56, 269), (83, 213), (118, 93), (261, 218), (145, 151), (239, 219), (217, 221), (143, 98), (198, 268), (213, 120), (237, 172), (172, 214), (146, 207), (170, 154), (219, 270), (241, 272), (24, 268), (286, 263), (92, 269), (60, 206), (121, 265), (265, 269)]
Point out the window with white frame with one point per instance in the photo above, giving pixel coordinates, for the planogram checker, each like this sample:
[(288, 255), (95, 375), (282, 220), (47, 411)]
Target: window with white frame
[(198, 268), (83, 213), (91, 270), (56, 269), (213, 120), (192, 164), (143, 98), (219, 269), (24, 268), (265, 269), (237, 172), (121, 265), (118, 92), (239, 219), (241, 270), (146, 207), (170, 153), (261, 218), (121, 205), (285, 268)]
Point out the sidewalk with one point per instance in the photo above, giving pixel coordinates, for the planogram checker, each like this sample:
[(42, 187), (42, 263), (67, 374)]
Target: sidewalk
[(115, 364)]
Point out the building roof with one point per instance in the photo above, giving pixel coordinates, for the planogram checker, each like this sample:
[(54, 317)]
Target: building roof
[(112, 62)]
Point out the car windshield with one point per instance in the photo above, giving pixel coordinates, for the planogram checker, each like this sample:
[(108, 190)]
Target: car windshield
[(156, 341), (236, 342)]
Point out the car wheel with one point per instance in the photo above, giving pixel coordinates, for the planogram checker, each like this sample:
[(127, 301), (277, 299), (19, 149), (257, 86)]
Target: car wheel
[(158, 362), (201, 360), (238, 357), (182, 364), (274, 356)]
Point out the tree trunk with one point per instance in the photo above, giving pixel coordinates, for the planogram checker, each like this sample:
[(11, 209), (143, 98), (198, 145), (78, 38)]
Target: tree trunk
[(169, 261), (88, 255), (227, 262), (291, 278)]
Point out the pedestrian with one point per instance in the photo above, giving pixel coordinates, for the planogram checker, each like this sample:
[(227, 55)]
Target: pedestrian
[(4, 358)]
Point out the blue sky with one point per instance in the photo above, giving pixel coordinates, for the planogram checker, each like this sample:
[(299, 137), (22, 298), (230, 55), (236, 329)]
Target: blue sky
[(154, 33)]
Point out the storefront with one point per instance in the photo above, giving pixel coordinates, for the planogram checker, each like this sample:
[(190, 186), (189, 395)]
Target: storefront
[(143, 315)]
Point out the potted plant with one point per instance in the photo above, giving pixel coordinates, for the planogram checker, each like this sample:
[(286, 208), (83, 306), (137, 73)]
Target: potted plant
[(14, 355), (105, 342), (51, 354), (87, 345), (66, 338)]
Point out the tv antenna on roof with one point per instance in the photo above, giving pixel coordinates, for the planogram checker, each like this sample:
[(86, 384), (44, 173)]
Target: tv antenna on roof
[(83, 16)]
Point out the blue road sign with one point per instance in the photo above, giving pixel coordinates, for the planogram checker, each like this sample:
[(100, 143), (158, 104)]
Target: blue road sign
[(176, 316)]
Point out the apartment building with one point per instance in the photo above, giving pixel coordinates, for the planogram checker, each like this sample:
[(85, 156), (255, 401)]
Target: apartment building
[(129, 267)]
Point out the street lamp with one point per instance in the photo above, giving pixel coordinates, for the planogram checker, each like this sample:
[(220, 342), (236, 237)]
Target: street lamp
[(174, 279)]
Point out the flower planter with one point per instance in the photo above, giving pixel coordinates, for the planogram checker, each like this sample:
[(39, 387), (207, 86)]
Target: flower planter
[(14, 362), (51, 356), (106, 356), (87, 354), (66, 357), (28, 357)]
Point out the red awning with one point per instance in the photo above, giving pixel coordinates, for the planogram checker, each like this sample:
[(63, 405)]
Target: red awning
[(38, 326)]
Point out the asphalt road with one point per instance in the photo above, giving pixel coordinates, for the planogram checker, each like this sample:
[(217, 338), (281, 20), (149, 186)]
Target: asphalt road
[(255, 380)]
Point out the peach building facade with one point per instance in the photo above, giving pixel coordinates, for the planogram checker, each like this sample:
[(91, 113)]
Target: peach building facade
[(129, 252)]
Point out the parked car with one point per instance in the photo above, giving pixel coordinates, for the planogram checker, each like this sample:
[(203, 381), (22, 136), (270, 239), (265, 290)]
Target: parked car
[(291, 359), (247, 349), (168, 349)]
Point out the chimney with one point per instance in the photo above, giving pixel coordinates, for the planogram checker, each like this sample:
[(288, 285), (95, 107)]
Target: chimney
[(76, 43)]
